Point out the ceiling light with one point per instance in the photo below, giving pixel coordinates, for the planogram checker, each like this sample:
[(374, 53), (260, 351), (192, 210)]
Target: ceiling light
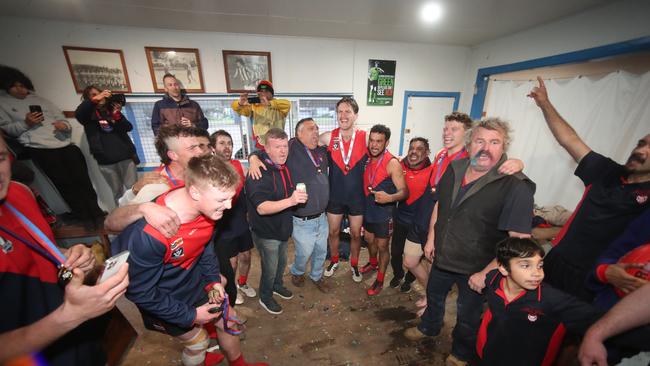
[(431, 12)]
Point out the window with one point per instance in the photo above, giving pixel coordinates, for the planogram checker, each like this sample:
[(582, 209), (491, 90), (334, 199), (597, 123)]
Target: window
[(220, 116)]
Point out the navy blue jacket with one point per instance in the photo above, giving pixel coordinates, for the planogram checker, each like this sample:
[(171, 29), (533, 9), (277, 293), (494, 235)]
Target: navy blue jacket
[(168, 275)]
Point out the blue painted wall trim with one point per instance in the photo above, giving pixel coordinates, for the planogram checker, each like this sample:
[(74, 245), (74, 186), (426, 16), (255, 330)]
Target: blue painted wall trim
[(426, 94), (483, 75)]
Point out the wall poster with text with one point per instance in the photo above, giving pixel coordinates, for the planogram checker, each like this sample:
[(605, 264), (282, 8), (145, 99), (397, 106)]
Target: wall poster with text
[(381, 82)]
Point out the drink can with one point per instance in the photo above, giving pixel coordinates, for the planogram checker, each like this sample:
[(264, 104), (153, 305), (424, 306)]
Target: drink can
[(301, 187)]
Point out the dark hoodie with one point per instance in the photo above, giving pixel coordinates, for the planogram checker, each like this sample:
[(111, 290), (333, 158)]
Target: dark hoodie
[(276, 184)]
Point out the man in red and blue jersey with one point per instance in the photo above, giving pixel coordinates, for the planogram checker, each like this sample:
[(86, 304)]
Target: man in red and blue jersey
[(234, 241), (39, 315), (175, 281), (417, 171), (384, 184), (347, 150), (175, 145)]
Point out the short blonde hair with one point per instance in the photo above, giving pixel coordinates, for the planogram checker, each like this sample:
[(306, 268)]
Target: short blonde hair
[(493, 124), (211, 170)]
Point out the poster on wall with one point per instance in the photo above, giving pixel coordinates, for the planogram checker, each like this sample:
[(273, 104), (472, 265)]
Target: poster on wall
[(103, 68), (381, 82), (183, 63)]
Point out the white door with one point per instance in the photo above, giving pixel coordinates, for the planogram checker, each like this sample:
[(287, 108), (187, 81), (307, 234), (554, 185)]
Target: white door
[(425, 117)]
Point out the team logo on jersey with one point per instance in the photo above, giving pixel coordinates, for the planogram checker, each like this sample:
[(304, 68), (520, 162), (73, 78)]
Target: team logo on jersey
[(335, 144), (533, 314), (176, 243), (6, 245), (178, 253)]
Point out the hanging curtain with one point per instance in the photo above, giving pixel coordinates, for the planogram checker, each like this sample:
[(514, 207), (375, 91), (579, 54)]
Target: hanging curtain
[(609, 113)]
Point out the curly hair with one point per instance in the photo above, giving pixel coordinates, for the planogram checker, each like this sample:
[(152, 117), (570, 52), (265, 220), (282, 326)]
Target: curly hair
[(493, 124), (382, 129), (173, 131), (9, 76), (461, 118)]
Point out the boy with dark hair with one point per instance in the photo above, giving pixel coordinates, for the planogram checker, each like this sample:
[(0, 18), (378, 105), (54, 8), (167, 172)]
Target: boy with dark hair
[(526, 319)]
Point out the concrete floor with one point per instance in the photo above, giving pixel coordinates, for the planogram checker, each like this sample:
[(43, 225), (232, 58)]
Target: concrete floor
[(345, 327)]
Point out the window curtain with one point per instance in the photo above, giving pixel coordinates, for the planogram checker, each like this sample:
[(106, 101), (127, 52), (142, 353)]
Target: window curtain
[(610, 113)]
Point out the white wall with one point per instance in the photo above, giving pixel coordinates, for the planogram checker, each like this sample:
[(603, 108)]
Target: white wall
[(300, 64), (618, 22)]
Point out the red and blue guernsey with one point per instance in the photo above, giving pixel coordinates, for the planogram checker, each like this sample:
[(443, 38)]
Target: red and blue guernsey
[(168, 275), (174, 182), (28, 284), (376, 178), (424, 206), (346, 167), (234, 223), (417, 181)]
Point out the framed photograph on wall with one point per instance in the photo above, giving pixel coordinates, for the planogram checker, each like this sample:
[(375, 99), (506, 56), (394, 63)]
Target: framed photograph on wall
[(245, 69), (183, 63), (101, 67)]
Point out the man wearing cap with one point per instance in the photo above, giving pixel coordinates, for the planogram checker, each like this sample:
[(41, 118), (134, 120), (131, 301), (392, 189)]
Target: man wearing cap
[(267, 113)]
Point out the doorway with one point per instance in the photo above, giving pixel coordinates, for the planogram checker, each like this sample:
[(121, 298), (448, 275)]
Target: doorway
[(424, 116)]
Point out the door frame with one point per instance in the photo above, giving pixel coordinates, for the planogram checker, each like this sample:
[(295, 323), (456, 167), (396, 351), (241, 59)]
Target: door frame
[(425, 94)]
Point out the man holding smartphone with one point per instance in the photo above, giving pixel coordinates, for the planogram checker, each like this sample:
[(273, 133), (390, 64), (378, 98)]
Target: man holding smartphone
[(39, 315), (41, 127), (266, 111)]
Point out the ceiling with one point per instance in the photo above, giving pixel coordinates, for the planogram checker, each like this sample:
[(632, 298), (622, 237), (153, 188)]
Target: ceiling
[(464, 23)]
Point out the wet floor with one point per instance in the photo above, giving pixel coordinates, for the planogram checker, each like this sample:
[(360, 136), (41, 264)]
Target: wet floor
[(345, 327)]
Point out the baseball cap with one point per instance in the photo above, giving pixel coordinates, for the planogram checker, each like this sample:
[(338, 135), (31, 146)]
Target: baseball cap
[(265, 85)]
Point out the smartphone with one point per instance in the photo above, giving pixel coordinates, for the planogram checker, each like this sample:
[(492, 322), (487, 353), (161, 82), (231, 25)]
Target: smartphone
[(253, 100), (113, 265), (35, 109)]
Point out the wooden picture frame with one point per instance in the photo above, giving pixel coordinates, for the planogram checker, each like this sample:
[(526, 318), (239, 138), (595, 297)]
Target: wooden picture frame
[(183, 63), (104, 68), (245, 69)]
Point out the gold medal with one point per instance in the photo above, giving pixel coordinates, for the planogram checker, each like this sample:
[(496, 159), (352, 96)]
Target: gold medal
[(347, 167), (64, 275)]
